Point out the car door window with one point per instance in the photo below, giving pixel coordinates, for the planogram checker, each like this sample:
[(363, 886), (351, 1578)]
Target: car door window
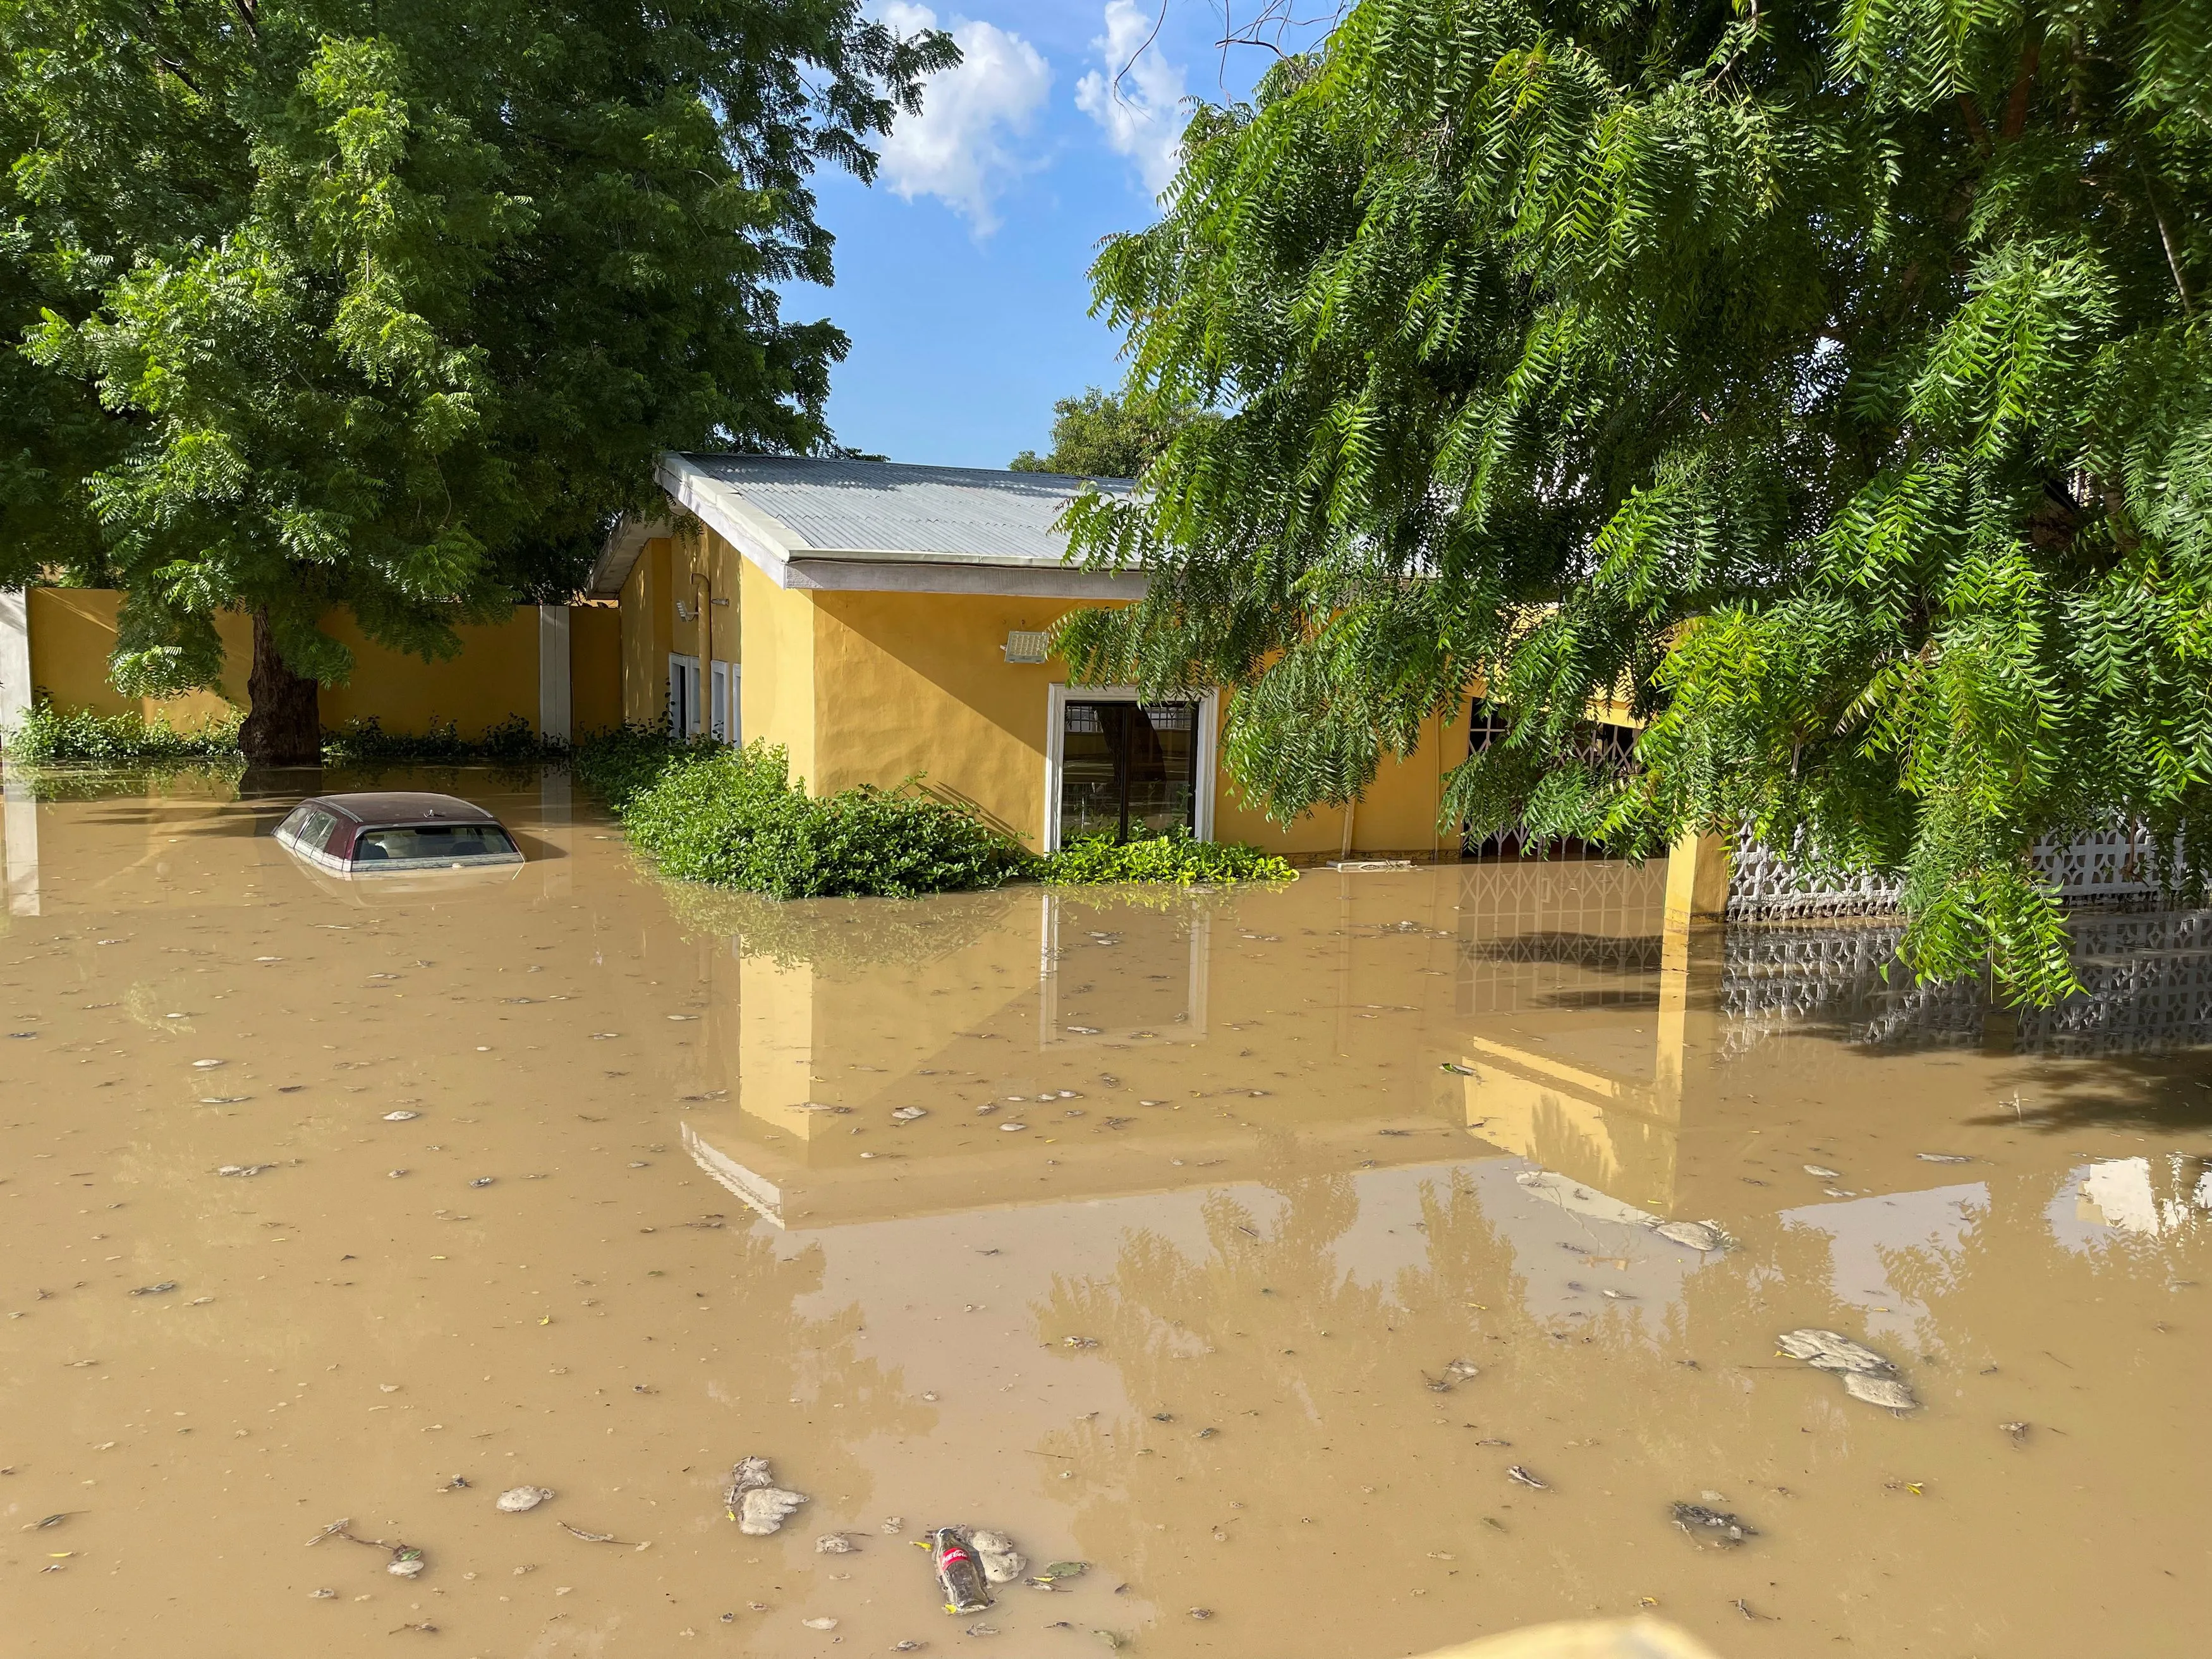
[(314, 831)]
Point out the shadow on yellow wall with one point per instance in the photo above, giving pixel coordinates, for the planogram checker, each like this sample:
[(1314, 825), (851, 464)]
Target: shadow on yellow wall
[(494, 678)]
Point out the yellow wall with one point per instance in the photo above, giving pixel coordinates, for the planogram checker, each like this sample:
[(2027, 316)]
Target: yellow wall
[(1396, 817), (72, 635), (595, 668), (704, 574), (645, 636), (776, 699), (877, 688), (908, 683), (495, 675)]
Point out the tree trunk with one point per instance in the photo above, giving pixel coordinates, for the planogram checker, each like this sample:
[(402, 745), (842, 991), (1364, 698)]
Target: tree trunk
[(283, 725)]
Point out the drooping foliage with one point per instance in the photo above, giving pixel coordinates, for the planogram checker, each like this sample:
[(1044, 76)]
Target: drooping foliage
[(389, 305), (1827, 382)]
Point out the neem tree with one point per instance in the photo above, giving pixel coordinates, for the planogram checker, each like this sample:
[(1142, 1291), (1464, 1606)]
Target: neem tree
[(389, 304), (1831, 379)]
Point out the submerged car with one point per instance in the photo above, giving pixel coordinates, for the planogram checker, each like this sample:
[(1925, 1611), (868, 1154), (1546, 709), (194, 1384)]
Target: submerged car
[(387, 832)]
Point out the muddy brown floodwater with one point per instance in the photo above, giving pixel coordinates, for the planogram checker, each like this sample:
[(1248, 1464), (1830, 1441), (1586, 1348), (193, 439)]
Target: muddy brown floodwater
[(1261, 1250)]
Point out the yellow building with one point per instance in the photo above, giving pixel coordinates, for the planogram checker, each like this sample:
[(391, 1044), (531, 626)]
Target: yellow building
[(883, 622)]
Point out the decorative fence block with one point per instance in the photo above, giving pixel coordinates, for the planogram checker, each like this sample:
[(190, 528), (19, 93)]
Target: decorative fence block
[(2120, 864)]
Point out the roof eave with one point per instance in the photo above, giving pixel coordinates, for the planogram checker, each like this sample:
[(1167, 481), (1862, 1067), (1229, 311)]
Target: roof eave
[(618, 556), (789, 562)]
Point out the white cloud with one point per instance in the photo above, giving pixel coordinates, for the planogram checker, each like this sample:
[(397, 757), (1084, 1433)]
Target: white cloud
[(961, 148), (1141, 110)]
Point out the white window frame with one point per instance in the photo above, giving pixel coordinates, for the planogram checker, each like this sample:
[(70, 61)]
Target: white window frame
[(1061, 694), (684, 670), (725, 718)]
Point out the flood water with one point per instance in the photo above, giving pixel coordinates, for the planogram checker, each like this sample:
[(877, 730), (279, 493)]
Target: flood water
[(1283, 1158)]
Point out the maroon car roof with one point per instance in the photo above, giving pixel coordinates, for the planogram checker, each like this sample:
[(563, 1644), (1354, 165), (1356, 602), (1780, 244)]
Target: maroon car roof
[(398, 806)]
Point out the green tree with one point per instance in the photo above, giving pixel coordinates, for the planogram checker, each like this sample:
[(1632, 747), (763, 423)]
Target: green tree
[(1101, 436), (389, 307), (1830, 380)]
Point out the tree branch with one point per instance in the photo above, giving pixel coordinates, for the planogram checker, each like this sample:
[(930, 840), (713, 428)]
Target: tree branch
[(178, 70), (1975, 124), (2166, 238), (2023, 85)]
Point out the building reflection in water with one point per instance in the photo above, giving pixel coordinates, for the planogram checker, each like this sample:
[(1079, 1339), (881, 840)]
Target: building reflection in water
[(1538, 1027)]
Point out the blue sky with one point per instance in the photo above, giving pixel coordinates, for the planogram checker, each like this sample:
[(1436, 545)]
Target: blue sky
[(962, 271)]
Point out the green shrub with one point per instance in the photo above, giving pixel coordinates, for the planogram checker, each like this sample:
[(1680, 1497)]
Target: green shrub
[(1174, 857), (618, 765), (364, 742), (733, 818), (47, 736)]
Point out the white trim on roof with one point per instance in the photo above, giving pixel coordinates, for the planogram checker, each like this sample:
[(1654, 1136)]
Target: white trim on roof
[(785, 558), (618, 557)]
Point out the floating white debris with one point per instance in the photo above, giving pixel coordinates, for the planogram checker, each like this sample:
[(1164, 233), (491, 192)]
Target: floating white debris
[(1002, 1562), (1697, 1235), (758, 1506), (1867, 1375)]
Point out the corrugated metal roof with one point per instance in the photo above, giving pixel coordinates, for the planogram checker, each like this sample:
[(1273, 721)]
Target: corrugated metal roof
[(884, 507)]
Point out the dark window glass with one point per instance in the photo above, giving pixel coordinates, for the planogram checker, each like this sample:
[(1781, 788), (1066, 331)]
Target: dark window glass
[(433, 841), (1163, 767), (1128, 769)]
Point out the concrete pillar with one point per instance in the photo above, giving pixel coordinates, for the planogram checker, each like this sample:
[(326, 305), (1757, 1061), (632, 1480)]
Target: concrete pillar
[(1691, 948), (14, 655), (1697, 880), (19, 809), (556, 704)]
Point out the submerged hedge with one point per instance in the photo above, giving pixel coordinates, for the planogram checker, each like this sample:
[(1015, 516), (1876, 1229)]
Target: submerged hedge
[(47, 736), (1173, 857), (734, 818)]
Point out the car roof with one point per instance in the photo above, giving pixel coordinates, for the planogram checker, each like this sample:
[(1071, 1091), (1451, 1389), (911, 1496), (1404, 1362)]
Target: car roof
[(396, 807)]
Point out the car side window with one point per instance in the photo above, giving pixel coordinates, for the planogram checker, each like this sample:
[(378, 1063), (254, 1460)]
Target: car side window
[(315, 829)]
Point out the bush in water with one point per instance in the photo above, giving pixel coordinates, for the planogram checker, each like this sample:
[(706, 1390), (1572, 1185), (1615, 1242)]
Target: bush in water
[(734, 818), (47, 736), (1173, 857)]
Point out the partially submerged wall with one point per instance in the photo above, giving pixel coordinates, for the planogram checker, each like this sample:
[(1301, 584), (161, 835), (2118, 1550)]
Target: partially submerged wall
[(499, 672)]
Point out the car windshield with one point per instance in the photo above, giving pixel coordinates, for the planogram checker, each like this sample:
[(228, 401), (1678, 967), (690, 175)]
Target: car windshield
[(433, 841)]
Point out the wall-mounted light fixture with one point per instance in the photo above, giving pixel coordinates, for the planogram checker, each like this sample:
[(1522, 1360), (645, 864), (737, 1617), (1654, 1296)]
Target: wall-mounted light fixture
[(1026, 645)]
